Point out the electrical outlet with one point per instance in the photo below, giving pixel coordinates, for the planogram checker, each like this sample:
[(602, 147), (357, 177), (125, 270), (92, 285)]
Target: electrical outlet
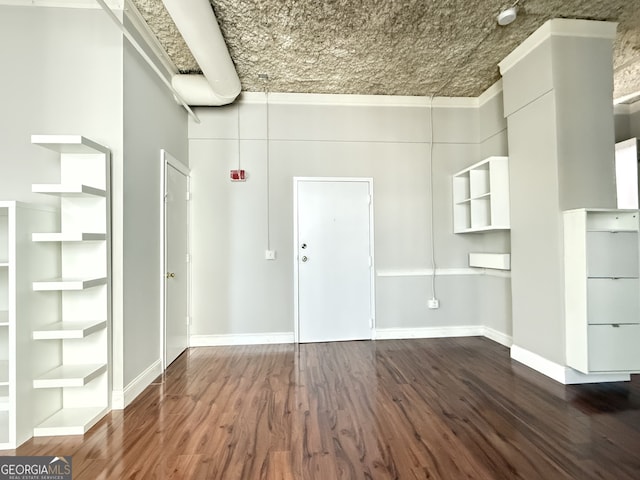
[(269, 254), (434, 303)]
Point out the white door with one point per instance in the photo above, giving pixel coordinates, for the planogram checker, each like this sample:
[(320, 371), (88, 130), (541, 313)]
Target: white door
[(334, 259), (176, 327)]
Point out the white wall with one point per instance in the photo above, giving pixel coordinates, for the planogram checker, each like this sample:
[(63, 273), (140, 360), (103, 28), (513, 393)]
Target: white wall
[(152, 121), (61, 75), (236, 291), (561, 157), (494, 293), (634, 120)]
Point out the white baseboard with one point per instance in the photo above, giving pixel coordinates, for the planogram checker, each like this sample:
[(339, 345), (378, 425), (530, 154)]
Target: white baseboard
[(240, 339), (121, 398), (497, 336), (561, 373), (428, 332)]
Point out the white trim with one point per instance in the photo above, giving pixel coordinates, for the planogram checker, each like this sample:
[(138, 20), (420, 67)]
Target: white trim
[(497, 336), (166, 160), (427, 272), (558, 27), (561, 373), (241, 339), (356, 100), (621, 108), (91, 4), (538, 363), (139, 24), (429, 332), (632, 101), (497, 273), (122, 398), (491, 92)]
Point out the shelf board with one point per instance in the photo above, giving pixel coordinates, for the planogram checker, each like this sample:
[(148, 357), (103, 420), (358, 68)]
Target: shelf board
[(68, 237), (69, 376), (70, 421), (68, 144), (65, 284), (67, 190), (4, 318), (4, 372), (4, 264), (497, 261), (482, 229), (67, 330)]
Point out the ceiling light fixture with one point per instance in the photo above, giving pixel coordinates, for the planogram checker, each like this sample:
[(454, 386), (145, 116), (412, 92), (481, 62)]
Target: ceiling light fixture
[(508, 15)]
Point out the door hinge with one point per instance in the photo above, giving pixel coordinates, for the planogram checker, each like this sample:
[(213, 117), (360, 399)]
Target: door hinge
[(188, 320), (370, 261), (371, 322), (187, 196), (187, 257), (369, 199)]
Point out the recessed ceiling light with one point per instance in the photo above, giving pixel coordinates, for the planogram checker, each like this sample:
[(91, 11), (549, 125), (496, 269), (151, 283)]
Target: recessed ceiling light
[(507, 16)]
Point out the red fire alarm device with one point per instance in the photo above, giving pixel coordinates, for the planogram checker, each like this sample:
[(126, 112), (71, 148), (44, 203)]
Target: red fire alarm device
[(238, 176)]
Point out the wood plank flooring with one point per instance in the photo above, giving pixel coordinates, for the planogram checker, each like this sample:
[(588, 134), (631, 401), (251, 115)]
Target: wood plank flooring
[(425, 409)]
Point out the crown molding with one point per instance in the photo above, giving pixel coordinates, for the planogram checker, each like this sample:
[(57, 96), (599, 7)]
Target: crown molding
[(560, 27)]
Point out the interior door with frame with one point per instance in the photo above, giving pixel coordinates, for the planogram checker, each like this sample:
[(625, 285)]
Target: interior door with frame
[(333, 259), (176, 313)]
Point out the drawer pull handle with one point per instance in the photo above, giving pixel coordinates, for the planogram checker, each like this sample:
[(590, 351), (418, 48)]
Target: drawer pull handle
[(615, 325)]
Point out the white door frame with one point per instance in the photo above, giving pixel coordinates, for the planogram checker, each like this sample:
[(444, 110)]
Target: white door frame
[(296, 181), (167, 159)]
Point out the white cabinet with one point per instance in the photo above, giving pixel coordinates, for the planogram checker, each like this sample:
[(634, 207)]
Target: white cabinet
[(481, 196), (602, 296), (72, 382), (20, 261)]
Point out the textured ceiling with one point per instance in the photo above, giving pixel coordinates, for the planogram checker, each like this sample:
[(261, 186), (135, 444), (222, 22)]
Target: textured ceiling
[(393, 47)]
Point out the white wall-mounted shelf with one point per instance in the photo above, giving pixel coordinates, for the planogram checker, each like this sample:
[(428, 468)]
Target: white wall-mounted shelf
[(69, 376), (70, 421), (68, 237), (496, 261), (67, 190), (67, 284), (82, 286), (20, 309), (74, 144), (68, 330), (481, 197)]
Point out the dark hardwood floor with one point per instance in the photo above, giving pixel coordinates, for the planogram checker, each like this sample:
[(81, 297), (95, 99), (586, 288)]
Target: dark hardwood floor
[(438, 409)]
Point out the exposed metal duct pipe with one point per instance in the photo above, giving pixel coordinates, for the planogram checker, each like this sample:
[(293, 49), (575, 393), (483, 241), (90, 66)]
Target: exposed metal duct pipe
[(198, 26)]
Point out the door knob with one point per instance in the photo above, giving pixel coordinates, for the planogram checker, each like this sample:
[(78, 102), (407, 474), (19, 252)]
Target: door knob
[(171, 275), (304, 259)]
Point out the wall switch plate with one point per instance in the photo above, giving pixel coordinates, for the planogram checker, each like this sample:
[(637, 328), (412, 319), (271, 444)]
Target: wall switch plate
[(269, 254), (434, 303)]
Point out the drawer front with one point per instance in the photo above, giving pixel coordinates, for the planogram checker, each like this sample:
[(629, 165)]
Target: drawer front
[(614, 349), (612, 254), (613, 300)]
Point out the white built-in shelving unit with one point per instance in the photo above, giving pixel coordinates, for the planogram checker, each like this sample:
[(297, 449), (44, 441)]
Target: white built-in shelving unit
[(481, 196), (602, 301), (20, 261), (73, 388)]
